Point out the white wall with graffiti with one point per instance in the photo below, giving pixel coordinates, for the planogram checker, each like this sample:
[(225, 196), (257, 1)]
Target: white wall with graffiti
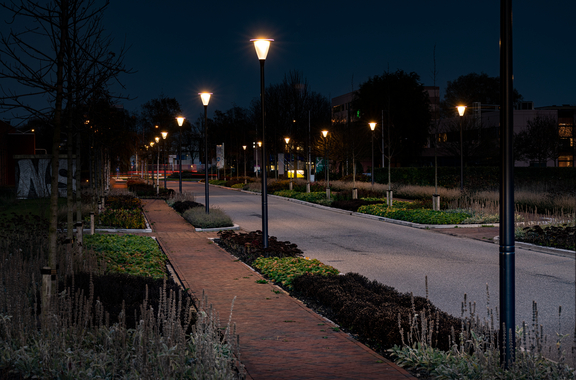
[(34, 175)]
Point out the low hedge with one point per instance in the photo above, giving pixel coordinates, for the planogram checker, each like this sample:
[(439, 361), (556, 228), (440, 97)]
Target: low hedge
[(248, 246), (420, 216), (284, 270), (371, 310)]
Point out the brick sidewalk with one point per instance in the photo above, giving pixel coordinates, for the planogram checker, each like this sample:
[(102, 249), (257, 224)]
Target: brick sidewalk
[(280, 338)]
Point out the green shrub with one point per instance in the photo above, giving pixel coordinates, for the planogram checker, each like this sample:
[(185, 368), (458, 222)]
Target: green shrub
[(126, 202), (217, 218), (420, 216), (313, 197), (284, 270), (237, 186), (217, 182), (131, 254), (248, 246), (119, 219)]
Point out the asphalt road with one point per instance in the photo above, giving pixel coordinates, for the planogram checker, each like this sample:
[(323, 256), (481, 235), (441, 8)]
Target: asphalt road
[(402, 257)]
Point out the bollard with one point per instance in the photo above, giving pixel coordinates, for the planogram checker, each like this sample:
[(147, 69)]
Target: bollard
[(91, 223), (389, 198), (328, 193), (308, 187), (436, 202), (99, 207), (290, 186), (354, 193), (103, 200)]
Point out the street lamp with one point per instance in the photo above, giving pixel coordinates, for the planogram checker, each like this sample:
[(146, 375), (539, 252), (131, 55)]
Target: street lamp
[(152, 146), (180, 120), (164, 135), (287, 139), (158, 166), (461, 110), (372, 127), (205, 96), (326, 165), (244, 148), (262, 46)]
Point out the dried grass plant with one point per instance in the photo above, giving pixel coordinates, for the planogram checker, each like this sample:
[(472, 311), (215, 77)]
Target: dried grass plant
[(75, 338), (177, 197)]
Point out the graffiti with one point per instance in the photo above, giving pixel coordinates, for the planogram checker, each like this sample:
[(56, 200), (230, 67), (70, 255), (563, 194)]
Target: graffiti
[(34, 176)]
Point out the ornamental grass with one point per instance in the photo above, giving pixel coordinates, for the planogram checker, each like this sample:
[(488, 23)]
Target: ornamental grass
[(283, 270), (217, 218)]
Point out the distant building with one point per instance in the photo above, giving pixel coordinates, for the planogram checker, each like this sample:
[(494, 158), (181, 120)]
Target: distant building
[(13, 142)]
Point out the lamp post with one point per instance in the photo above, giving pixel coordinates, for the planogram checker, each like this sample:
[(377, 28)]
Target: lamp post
[(158, 166), (244, 148), (152, 147), (372, 127), (507, 241), (262, 46), (287, 139), (326, 165), (180, 120), (461, 110), (205, 96), (164, 135)]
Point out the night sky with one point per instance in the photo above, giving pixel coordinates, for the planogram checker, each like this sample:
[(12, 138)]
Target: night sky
[(180, 48)]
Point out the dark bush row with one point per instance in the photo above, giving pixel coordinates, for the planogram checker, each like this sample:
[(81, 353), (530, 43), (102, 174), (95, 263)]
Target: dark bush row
[(552, 236), (182, 206), (125, 202), (353, 204), (122, 291), (248, 246), (145, 190), (371, 310)]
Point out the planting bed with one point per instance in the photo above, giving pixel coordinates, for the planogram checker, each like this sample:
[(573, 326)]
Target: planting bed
[(369, 310), (562, 236)]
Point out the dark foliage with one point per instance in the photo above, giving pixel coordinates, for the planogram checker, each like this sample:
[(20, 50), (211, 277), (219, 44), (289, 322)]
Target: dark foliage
[(353, 204), (552, 236), (125, 202), (359, 178), (182, 206), (186, 174), (144, 190), (116, 290), (369, 309), (248, 246)]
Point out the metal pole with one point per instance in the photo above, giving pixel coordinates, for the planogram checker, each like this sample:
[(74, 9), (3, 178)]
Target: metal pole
[(461, 158), (264, 159), (372, 175), (507, 246), (206, 191), (180, 162), (158, 171), (164, 162)]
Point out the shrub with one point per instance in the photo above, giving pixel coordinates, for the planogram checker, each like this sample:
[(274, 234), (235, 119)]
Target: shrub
[(248, 246), (370, 309), (120, 218), (420, 216), (215, 219), (561, 236), (149, 191), (284, 270), (131, 254), (313, 197), (238, 185), (353, 205), (126, 202), (182, 206), (359, 178), (185, 196)]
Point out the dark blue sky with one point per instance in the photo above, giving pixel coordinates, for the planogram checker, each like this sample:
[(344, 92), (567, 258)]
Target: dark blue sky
[(180, 48)]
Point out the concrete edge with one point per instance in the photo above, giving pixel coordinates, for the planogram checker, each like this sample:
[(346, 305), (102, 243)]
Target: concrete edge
[(541, 248), (234, 227)]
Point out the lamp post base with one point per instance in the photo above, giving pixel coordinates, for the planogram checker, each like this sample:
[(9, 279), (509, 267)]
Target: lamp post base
[(436, 202), (355, 193), (389, 198)]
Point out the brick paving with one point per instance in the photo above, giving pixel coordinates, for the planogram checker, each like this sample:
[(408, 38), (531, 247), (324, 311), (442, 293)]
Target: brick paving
[(280, 338)]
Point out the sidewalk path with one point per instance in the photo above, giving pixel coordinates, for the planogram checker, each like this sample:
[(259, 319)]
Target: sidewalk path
[(280, 338)]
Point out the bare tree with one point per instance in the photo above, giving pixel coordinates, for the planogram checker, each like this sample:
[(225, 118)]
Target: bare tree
[(54, 63)]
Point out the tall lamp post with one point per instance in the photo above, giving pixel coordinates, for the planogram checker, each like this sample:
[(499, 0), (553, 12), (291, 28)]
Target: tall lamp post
[(326, 165), (461, 110), (262, 46), (158, 166), (164, 135), (372, 127), (152, 146), (287, 139), (205, 96), (180, 120), (244, 148)]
